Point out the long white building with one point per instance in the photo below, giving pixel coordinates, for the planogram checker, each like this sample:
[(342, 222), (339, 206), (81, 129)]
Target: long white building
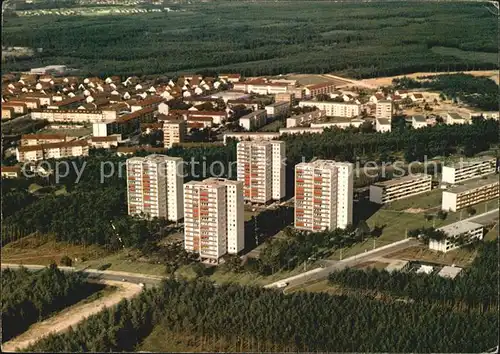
[(467, 229), (400, 188), (213, 218), (323, 195), (261, 169), (335, 109), (465, 170), (154, 186), (471, 193)]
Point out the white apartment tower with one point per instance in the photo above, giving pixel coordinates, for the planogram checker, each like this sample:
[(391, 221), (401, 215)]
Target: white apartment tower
[(261, 169), (323, 195), (154, 187), (213, 218), (384, 109), (174, 131)]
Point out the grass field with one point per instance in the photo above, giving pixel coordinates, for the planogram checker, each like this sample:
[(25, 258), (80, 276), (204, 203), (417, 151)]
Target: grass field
[(256, 38), (44, 250), (426, 200)]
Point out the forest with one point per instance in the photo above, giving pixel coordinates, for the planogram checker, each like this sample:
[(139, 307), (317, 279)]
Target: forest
[(256, 319), (476, 288), (29, 297), (478, 92), (87, 214), (265, 38)]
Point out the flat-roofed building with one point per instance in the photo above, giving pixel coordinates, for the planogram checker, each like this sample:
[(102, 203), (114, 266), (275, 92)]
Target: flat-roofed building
[(254, 120), (400, 188), (449, 272), (52, 151), (341, 123), (471, 193), (261, 169), (304, 118), (469, 169), (335, 109), (301, 130), (154, 187), (105, 142), (323, 195), (398, 265), (285, 97), (323, 88), (277, 109), (463, 229), (382, 125), (213, 218)]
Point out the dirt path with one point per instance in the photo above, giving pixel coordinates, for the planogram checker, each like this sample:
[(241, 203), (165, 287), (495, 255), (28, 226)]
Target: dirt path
[(71, 316), (386, 81)]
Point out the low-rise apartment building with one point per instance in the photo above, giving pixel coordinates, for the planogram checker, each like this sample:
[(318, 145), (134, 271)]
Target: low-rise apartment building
[(285, 97), (40, 139), (382, 125), (335, 109), (105, 142), (154, 187), (301, 130), (464, 170), (254, 120), (261, 169), (341, 123), (52, 151), (277, 109), (471, 193), (304, 118), (464, 229), (323, 88), (323, 195), (400, 188), (213, 218)]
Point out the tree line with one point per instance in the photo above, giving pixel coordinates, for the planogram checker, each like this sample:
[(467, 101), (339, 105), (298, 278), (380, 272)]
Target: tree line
[(475, 288), (31, 297), (479, 92), (259, 319)]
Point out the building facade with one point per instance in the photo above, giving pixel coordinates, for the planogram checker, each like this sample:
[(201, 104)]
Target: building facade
[(384, 109), (213, 218), (261, 169), (174, 132), (400, 188), (471, 193), (52, 151), (464, 229), (335, 109), (323, 195), (154, 187), (278, 109), (254, 120), (465, 170)]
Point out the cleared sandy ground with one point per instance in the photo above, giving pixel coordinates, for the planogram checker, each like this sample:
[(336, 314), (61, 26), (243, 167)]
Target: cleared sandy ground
[(71, 316), (386, 81)]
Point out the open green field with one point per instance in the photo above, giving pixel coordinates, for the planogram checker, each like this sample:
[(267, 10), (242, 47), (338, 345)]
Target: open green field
[(423, 201), (358, 39)]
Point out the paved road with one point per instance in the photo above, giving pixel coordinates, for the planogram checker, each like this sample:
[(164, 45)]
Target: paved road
[(322, 273), (147, 280)]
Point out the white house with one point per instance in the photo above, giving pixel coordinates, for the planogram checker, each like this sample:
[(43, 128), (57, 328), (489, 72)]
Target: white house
[(418, 122), (382, 125)]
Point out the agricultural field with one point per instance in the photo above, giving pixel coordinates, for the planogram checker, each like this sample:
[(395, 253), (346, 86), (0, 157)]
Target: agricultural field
[(265, 38)]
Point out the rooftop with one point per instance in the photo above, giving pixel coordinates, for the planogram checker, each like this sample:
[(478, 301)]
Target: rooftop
[(383, 121), (449, 272), (455, 115), (465, 163), (400, 180), (473, 184), (396, 265), (420, 119), (460, 227), (323, 164)]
